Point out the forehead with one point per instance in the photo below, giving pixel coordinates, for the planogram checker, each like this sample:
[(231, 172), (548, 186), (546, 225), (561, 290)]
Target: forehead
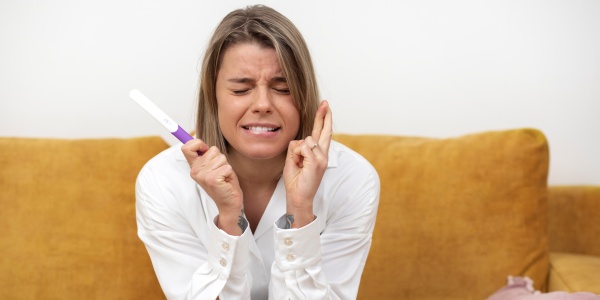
[(250, 59)]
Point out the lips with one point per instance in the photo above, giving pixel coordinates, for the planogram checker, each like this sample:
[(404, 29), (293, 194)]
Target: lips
[(261, 129)]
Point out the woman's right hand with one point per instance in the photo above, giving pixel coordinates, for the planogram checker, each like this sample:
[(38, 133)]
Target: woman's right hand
[(215, 175)]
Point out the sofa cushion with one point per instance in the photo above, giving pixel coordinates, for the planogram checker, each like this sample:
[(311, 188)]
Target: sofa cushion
[(457, 215), (67, 219), (574, 272)]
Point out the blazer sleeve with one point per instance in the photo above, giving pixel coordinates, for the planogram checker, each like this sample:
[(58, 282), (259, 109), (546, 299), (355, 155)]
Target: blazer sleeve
[(188, 265)]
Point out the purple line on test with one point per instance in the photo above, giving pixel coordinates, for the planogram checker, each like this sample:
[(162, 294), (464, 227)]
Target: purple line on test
[(182, 135)]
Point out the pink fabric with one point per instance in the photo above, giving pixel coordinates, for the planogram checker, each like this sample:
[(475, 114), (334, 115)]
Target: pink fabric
[(519, 288)]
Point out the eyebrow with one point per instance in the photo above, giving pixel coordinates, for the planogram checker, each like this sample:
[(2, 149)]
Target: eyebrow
[(240, 80), (247, 80), (279, 79)]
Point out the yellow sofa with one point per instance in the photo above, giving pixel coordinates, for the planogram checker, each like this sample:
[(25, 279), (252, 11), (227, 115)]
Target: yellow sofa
[(456, 217)]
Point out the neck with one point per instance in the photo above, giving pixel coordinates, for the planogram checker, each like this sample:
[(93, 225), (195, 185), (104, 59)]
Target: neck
[(257, 172)]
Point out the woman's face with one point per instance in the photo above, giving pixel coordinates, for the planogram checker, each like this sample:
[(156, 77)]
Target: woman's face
[(256, 112)]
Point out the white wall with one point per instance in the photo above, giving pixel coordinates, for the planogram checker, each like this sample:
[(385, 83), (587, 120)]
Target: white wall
[(434, 68)]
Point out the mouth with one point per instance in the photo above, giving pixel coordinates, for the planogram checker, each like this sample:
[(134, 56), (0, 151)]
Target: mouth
[(261, 129)]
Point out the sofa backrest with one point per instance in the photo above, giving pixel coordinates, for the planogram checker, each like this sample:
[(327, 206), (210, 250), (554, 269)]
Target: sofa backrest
[(67, 219), (573, 224), (456, 216)]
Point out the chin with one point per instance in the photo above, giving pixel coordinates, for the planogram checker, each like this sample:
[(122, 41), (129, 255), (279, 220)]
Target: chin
[(267, 151), (264, 155)]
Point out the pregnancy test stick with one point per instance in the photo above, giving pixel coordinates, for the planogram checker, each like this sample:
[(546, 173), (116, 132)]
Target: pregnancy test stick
[(160, 116)]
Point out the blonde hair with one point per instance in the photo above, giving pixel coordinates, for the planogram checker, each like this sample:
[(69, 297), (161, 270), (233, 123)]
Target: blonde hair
[(268, 28)]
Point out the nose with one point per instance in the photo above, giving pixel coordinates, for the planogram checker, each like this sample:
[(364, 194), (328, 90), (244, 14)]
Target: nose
[(262, 102)]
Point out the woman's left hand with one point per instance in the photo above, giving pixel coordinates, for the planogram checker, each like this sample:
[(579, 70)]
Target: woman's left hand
[(305, 165)]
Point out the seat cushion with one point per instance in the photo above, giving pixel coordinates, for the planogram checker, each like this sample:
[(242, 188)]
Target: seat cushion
[(574, 273)]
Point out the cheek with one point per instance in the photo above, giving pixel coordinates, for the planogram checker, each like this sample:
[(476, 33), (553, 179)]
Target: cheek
[(292, 115), (227, 117), (225, 114)]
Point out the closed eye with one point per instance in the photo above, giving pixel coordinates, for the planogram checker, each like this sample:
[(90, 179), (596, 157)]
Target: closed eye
[(239, 92), (282, 91)]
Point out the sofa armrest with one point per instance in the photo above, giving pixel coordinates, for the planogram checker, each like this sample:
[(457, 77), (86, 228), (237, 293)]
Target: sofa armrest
[(574, 273), (573, 214)]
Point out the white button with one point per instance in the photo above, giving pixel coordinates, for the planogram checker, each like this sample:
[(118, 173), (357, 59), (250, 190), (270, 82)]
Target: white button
[(288, 242), (223, 262), (290, 257), (225, 246)]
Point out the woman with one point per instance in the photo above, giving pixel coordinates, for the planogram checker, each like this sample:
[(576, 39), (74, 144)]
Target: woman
[(272, 209)]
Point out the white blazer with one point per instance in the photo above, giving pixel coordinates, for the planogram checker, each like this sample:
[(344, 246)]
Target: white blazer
[(193, 259)]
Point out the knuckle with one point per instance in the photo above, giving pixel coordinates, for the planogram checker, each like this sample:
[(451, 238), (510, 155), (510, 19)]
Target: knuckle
[(197, 176), (227, 169)]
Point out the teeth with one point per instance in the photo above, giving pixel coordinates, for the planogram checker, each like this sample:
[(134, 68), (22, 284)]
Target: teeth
[(261, 129)]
